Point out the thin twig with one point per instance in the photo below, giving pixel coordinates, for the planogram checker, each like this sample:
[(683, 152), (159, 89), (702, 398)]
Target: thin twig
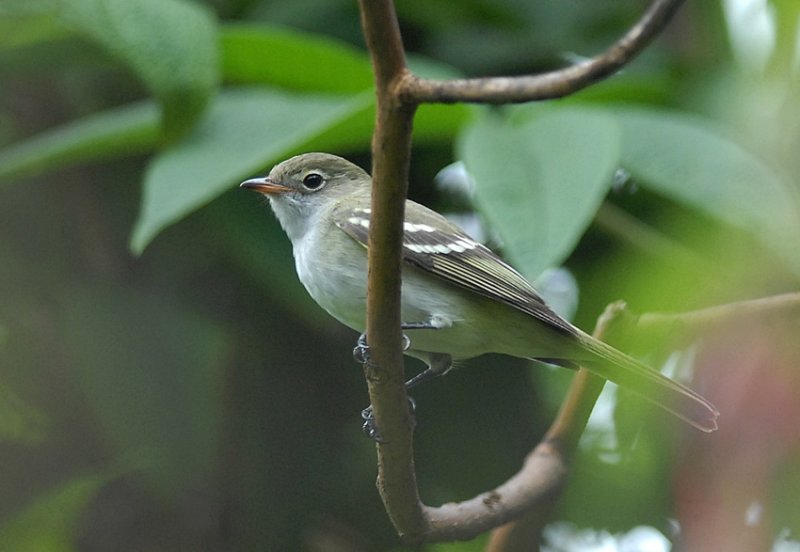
[(554, 84), (703, 320), (563, 436)]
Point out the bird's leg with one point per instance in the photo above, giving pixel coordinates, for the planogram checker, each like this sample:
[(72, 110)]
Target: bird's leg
[(361, 350), (362, 356), (419, 326), (437, 365)]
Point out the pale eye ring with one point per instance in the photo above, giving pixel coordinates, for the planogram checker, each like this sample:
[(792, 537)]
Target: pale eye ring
[(313, 181)]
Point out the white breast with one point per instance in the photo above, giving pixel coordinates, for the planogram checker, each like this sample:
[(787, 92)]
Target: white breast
[(334, 272), (333, 269)]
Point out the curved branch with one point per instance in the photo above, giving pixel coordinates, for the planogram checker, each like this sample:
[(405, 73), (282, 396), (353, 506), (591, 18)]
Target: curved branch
[(528, 497), (536, 486), (533, 491), (665, 325), (564, 434), (555, 84)]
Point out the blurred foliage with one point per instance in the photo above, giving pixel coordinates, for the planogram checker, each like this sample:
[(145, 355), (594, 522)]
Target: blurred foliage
[(48, 524), (157, 387)]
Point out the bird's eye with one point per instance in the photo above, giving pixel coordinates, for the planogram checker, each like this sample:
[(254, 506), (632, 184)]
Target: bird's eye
[(313, 181)]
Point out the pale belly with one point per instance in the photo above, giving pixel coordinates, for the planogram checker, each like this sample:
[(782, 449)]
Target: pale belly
[(468, 325)]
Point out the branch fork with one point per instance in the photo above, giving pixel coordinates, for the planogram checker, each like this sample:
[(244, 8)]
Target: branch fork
[(529, 495)]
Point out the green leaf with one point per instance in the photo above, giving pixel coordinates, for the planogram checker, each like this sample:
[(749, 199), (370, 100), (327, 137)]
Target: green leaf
[(50, 522), (688, 159), (171, 45), (428, 68), (19, 422), (351, 133), (25, 22), (475, 545), (433, 124), (540, 181), (152, 372), (134, 128), (278, 56), (292, 59), (242, 133), (123, 131), (437, 122)]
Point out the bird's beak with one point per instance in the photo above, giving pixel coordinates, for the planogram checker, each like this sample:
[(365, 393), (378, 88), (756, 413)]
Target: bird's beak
[(265, 186)]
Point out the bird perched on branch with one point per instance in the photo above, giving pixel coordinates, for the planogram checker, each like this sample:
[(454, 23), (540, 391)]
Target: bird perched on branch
[(459, 300)]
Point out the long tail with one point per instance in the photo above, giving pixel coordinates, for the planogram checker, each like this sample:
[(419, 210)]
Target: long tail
[(631, 374)]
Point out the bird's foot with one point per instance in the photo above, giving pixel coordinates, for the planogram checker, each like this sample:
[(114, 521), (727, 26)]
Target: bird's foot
[(361, 350), (361, 354), (370, 428)]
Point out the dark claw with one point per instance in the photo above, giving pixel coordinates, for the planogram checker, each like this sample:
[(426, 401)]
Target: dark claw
[(371, 430), (361, 350), (361, 355)]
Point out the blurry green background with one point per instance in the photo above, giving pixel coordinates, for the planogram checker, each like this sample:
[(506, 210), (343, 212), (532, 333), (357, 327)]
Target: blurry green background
[(165, 382)]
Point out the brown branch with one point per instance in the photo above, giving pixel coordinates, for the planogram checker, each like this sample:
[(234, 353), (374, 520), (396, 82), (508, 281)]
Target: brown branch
[(668, 325), (563, 437), (529, 495), (524, 502), (541, 479), (579, 402), (391, 149), (532, 490), (555, 84)]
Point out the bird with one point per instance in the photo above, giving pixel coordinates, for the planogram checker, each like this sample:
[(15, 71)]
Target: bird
[(459, 299)]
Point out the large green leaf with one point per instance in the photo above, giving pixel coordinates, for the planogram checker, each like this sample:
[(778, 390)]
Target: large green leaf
[(280, 57), (293, 59), (123, 131), (134, 128), (688, 159), (540, 181), (437, 122), (242, 133), (50, 522), (171, 45), (152, 371), (299, 60), (434, 123)]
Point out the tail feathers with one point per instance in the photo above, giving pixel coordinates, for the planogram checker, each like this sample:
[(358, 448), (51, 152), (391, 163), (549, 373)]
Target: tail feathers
[(631, 374)]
